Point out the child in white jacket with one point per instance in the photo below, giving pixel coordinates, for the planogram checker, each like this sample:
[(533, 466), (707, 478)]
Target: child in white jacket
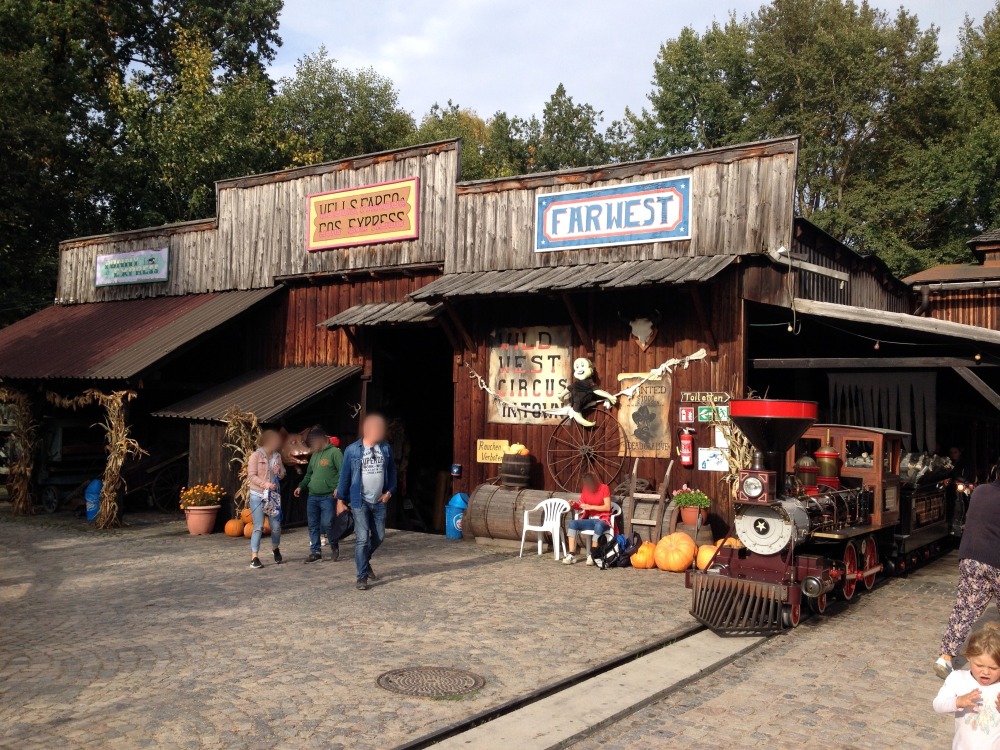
[(973, 695)]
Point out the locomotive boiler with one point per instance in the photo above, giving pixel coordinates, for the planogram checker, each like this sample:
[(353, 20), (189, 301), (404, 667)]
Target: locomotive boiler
[(797, 544)]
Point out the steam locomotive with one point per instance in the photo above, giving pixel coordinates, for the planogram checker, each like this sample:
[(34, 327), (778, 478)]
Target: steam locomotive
[(842, 518)]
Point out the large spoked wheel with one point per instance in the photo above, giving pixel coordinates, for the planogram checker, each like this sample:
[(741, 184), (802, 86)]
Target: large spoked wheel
[(791, 615), (818, 604), (165, 491), (50, 498), (869, 560), (850, 582), (575, 450)]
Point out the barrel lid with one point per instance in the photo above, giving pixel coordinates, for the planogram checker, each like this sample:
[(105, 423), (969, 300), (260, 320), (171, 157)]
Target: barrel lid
[(460, 500)]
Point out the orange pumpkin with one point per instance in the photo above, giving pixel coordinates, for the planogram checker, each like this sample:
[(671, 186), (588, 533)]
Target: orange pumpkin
[(248, 530), (732, 542), (705, 554), (267, 526), (643, 557), (246, 516), (675, 552), (234, 527)]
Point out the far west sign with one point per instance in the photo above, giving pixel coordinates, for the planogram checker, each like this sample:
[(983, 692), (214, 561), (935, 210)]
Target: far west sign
[(386, 212), (138, 267), (655, 211)]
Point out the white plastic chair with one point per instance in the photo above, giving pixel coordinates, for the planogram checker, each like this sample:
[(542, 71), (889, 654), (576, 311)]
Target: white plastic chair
[(552, 510), (616, 514)]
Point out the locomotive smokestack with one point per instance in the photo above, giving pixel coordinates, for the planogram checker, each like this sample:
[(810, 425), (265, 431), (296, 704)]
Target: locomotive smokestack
[(773, 426)]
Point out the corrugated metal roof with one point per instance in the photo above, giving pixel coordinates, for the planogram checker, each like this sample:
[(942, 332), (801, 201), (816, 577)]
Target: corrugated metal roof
[(270, 394), (385, 314), (114, 340), (954, 272), (624, 275)]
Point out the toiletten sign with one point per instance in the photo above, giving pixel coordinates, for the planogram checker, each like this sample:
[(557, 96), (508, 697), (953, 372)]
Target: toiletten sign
[(138, 267), (386, 212), (655, 211)]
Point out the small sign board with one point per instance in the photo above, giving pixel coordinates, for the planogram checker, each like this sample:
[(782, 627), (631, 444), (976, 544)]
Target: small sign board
[(712, 459), (137, 267), (491, 451), (685, 415), (652, 211), (384, 212), (704, 397), (711, 413)]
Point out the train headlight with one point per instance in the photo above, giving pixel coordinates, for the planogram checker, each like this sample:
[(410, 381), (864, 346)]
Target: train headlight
[(752, 486), (960, 487)]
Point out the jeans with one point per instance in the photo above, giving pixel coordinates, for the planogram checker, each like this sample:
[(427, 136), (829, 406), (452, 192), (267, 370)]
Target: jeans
[(257, 509), (369, 531), (588, 524), (319, 512), (338, 528)]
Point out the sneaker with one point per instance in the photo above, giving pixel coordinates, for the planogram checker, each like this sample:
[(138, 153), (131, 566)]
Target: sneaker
[(256, 563), (313, 557), (590, 560), (362, 585), (569, 559), (943, 668), (277, 555), (335, 553), (371, 574), (322, 540)]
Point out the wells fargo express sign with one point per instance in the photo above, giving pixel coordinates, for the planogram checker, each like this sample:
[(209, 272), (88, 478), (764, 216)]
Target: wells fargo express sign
[(386, 212), (655, 211), (138, 267)]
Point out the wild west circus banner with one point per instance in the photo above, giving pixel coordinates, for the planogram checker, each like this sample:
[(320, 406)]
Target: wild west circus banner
[(385, 212)]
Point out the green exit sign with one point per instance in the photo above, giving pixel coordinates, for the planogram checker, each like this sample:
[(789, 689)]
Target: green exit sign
[(705, 413)]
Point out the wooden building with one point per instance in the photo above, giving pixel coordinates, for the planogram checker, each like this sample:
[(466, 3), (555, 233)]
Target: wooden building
[(392, 286)]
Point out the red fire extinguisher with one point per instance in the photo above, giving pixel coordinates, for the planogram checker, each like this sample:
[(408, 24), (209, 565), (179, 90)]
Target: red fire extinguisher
[(687, 445)]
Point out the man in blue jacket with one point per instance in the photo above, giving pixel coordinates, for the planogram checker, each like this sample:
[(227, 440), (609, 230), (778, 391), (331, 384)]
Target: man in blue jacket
[(367, 481)]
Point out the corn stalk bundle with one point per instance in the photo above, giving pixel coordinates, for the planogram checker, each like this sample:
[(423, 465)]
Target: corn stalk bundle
[(118, 444), (242, 436), (738, 450), (22, 445)]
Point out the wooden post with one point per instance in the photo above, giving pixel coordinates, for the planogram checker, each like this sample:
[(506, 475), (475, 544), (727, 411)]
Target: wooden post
[(581, 329)]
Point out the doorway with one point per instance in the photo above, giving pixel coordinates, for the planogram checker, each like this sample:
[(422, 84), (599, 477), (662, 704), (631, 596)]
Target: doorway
[(412, 386)]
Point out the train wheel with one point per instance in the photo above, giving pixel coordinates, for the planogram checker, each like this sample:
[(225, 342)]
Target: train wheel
[(791, 614), (869, 559), (850, 571), (818, 604)]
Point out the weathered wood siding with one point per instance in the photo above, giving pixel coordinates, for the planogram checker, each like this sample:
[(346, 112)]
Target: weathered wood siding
[(260, 231), (974, 307), (742, 202), (679, 334)]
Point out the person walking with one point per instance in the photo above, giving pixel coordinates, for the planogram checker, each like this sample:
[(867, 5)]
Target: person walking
[(264, 474), (320, 482), (368, 482), (978, 572)]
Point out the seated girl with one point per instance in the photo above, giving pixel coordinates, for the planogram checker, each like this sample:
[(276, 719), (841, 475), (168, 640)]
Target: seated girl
[(595, 507)]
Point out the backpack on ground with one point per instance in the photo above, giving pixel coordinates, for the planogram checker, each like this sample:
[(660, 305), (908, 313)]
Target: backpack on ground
[(629, 548), (609, 551)]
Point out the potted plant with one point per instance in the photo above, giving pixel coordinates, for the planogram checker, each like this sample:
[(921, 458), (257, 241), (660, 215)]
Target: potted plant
[(692, 504), (200, 504)]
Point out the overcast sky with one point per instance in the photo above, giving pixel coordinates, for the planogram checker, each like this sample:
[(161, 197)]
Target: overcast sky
[(511, 54)]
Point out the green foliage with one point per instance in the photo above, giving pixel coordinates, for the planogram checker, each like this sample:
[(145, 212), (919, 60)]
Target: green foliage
[(569, 135)]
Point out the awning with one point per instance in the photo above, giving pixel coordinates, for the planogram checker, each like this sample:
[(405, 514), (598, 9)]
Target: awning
[(114, 340), (385, 314), (897, 320), (624, 275), (270, 394)]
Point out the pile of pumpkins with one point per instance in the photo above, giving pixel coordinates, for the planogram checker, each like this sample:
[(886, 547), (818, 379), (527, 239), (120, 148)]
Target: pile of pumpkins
[(517, 449), (243, 526), (677, 552)]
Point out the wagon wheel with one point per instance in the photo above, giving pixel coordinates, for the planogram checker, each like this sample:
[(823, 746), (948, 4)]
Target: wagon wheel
[(575, 450), (165, 491), (50, 498)]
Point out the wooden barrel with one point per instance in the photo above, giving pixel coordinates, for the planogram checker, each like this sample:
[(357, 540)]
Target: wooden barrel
[(515, 471), (498, 512)]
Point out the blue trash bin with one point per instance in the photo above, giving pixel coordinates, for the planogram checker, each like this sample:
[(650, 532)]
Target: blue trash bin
[(93, 497), (453, 513)]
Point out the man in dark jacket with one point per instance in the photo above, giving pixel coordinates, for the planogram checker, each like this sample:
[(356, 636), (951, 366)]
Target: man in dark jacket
[(368, 481), (320, 482)]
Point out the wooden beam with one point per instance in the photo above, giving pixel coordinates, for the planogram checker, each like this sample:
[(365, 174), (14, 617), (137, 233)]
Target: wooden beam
[(703, 321), (865, 363), (980, 385), (460, 327), (449, 334), (795, 264), (581, 329)]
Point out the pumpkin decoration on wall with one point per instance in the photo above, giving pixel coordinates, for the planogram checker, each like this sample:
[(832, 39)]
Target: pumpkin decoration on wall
[(234, 527), (675, 552), (643, 557), (706, 553)]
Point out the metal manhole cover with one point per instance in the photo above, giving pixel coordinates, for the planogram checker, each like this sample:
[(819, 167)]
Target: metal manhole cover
[(430, 682)]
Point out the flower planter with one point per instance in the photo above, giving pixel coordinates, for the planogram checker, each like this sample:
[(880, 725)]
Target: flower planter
[(201, 519), (689, 516)]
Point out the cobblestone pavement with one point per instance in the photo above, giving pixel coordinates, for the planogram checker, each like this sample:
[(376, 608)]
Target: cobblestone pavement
[(148, 637), (858, 677)]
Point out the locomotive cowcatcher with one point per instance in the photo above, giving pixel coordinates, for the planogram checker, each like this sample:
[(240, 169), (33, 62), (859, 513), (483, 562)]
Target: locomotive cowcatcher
[(831, 527)]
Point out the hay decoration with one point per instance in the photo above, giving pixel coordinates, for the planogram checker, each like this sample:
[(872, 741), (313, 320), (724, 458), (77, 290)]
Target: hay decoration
[(22, 444), (118, 444), (243, 434), (738, 450)]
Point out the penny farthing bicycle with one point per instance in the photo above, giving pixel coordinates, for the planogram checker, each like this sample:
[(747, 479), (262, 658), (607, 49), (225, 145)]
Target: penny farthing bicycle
[(575, 450)]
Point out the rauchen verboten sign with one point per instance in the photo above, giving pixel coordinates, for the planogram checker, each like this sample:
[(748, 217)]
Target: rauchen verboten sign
[(654, 211), (138, 267), (385, 212)]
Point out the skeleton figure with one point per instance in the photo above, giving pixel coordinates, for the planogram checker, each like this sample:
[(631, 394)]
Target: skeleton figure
[(584, 393)]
